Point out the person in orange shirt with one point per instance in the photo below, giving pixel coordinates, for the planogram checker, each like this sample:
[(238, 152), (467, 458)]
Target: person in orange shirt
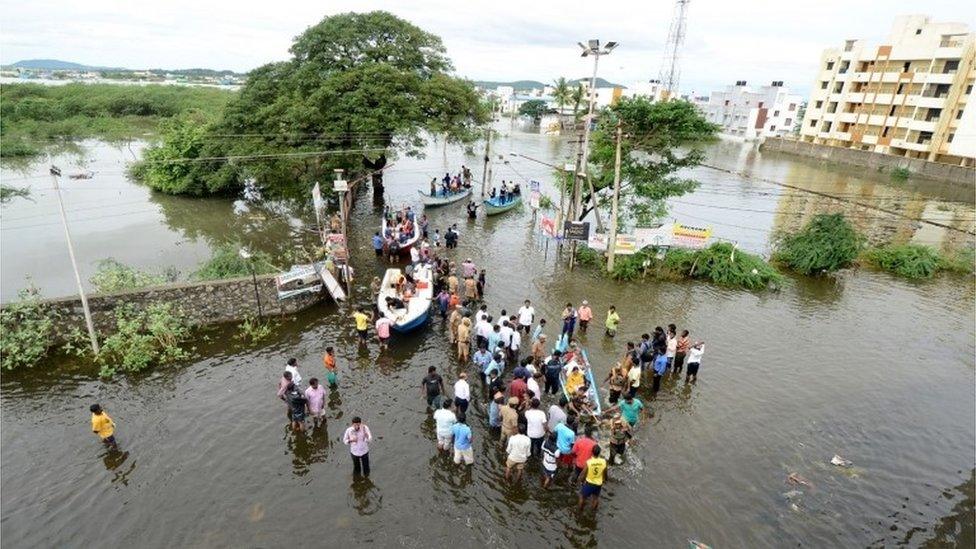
[(585, 315), (102, 425), (329, 360)]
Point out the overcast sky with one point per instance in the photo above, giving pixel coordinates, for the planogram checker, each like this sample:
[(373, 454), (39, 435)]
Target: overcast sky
[(754, 40)]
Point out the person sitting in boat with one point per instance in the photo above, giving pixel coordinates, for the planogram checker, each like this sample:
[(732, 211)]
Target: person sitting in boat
[(447, 179), (492, 193), (517, 189), (433, 186), (399, 284), (575, 380), (409, 214), (455, 185), (573, 354), (580, 403), (394, 303)]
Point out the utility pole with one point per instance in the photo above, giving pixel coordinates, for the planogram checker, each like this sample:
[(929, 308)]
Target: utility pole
[(55, 174), (670, 66), (612, 239), (484, 172), (342, 186)]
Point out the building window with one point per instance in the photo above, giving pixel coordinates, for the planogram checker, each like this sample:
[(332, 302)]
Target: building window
[(901, 88), (949, 139), (813, 122), (884, 132), (788, 122), (918, 31), (792, 107), (772, 128), (818, 104), (969, 89), (823, 85), (933, 114), (958, 114), (951, 66), (904, 68), (830, 65), (775, 113), (891, 112), (832, 107), (838, 87)]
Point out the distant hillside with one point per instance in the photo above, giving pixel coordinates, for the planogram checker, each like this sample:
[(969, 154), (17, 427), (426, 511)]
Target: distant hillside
[(58, 65), (535, 84)]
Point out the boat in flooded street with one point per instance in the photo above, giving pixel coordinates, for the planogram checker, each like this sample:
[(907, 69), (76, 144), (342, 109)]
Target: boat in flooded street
[(406, 302)]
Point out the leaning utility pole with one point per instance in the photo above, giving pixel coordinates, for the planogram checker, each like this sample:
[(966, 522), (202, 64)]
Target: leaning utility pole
[(55, 174), (612, 238), (670, 68), (484, 172)]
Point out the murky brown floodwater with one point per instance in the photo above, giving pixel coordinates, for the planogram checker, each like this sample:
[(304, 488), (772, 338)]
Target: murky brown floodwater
[(875, 369)]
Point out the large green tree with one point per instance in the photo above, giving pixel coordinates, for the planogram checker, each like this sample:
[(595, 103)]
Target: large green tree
[(562, 95), (534, 108), (660, 138), (359, 89)]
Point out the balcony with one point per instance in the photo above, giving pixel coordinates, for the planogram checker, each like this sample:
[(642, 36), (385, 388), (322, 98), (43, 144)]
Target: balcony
[(929, 102), (940, 78), (855, 97), (922, 125), (849, 117)]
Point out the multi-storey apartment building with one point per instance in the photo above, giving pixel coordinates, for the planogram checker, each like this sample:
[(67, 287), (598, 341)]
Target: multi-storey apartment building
[(750, 113), (906, 97)]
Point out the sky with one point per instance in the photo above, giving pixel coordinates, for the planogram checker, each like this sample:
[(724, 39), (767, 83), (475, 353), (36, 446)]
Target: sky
[(754, 40)]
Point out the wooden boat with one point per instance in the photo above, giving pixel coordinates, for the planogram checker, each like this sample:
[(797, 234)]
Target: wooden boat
[(494, 206), (409, 242), (594, 390), (443, 199), (417, 307)]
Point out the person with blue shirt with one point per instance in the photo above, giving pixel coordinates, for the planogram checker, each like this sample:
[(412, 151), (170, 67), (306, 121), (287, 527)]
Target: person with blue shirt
[(378, 244), (481, 358), (462, 442), (495, 414), (494, 338), (660, 366), (538, 330), (565, 438)]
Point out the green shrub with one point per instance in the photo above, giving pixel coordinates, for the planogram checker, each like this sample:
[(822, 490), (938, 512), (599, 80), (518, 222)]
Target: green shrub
[(113, 276), (588, 257), (825, 244), (228, 263), (17, 148), (26, 331), (900, 174), (914, 261), (8, 193), (143, 338), (252, 330), (719, 263), (961, 262)]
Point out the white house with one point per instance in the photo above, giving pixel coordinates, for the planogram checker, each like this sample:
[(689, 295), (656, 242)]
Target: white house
[(749, 113)]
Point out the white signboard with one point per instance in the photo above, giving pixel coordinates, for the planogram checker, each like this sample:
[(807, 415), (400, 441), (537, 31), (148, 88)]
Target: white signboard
[(341, 185), (653, 236)]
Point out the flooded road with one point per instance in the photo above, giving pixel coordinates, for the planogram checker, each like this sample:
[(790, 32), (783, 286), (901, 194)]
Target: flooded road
[(875, 369)]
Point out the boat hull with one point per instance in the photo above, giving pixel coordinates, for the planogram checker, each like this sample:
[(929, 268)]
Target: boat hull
[(594, 392), (417, 311), (494, 208), (432, 202), (410, 242)]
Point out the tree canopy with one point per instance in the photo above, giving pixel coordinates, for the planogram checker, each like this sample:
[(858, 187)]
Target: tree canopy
[(659, 139), (359, 88), (534, 108)]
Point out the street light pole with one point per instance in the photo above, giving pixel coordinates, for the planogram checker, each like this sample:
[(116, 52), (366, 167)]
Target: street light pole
[(612, 239), (55, 174), (341, 186), (247, 256)]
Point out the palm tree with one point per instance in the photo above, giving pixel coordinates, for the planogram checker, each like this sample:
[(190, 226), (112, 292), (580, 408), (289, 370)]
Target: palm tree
[(577, 97), (562, 95)]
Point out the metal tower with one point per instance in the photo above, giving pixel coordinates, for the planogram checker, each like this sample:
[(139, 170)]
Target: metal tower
[(670, 68)]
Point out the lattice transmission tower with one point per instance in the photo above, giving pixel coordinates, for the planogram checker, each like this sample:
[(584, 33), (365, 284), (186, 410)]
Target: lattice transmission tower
[(671, 67)]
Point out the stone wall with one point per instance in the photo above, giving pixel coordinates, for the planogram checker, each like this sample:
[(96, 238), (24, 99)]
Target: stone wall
[(872, 160), (202, 303)]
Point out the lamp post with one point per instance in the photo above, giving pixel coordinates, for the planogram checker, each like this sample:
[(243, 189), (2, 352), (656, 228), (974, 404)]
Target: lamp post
[(341, 186), (247, 256)]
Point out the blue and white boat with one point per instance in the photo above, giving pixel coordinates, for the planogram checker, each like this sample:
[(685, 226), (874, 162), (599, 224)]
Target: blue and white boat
[(594, 392), (442, 199), (417, 310)]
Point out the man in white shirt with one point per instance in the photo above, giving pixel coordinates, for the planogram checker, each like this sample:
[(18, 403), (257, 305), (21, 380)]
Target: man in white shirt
[(414, 255), (292, 367), (526, 316), (462, 393), (482, 329), (515, 341), (694, 360), (445, 420), (506, 332), (535, 429), (519, 448), (482, 314)]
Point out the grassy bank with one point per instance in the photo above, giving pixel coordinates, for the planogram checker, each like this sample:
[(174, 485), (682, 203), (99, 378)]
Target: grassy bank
[(33, 116)]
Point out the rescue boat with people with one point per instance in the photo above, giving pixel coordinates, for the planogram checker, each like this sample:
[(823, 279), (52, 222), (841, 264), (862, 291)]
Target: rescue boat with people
[(406, 244), (416, 310), (441, 199), (580, 360)]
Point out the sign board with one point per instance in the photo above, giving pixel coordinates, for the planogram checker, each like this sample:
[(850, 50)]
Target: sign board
[(653, 236), (626, 243), (336, 238), (318, 203), (576, 230), (535, 198), (695, 238), (535, 186), (341, 185), (548, 226)]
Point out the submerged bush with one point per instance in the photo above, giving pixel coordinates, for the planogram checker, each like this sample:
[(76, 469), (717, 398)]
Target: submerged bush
[(900, 174), (719, 263), (142, 338), (914, 261), (228, 263), (825, 244), (113, 276), (26, 331)]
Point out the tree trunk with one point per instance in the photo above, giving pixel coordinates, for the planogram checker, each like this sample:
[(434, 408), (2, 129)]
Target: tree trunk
[(377, 176)]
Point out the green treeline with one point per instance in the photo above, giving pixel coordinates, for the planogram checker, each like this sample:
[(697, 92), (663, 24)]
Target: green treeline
[(33, 116)]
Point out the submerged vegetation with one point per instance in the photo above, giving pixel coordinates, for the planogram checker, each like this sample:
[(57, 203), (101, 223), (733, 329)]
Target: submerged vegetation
[(228, 263), (8, 193), (35, 116), (113, 276), (144, 337), (914, 261), (26, 331), (824, 245)]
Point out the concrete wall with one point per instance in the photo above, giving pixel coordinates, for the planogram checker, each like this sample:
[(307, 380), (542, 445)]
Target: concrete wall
[(201, 302), (873, 160)]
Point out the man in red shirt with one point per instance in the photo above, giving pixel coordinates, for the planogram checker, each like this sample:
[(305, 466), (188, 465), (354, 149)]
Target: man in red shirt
[(582, 451), (518, 388)]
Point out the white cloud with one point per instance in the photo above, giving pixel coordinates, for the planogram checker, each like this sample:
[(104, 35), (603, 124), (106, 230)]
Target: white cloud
[(754, 40)]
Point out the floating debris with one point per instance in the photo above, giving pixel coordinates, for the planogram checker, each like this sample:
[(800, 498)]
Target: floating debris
[(795, 478), (841, 462)]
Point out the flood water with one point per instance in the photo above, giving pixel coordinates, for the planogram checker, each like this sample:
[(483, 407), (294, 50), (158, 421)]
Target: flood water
[(875, 369)]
